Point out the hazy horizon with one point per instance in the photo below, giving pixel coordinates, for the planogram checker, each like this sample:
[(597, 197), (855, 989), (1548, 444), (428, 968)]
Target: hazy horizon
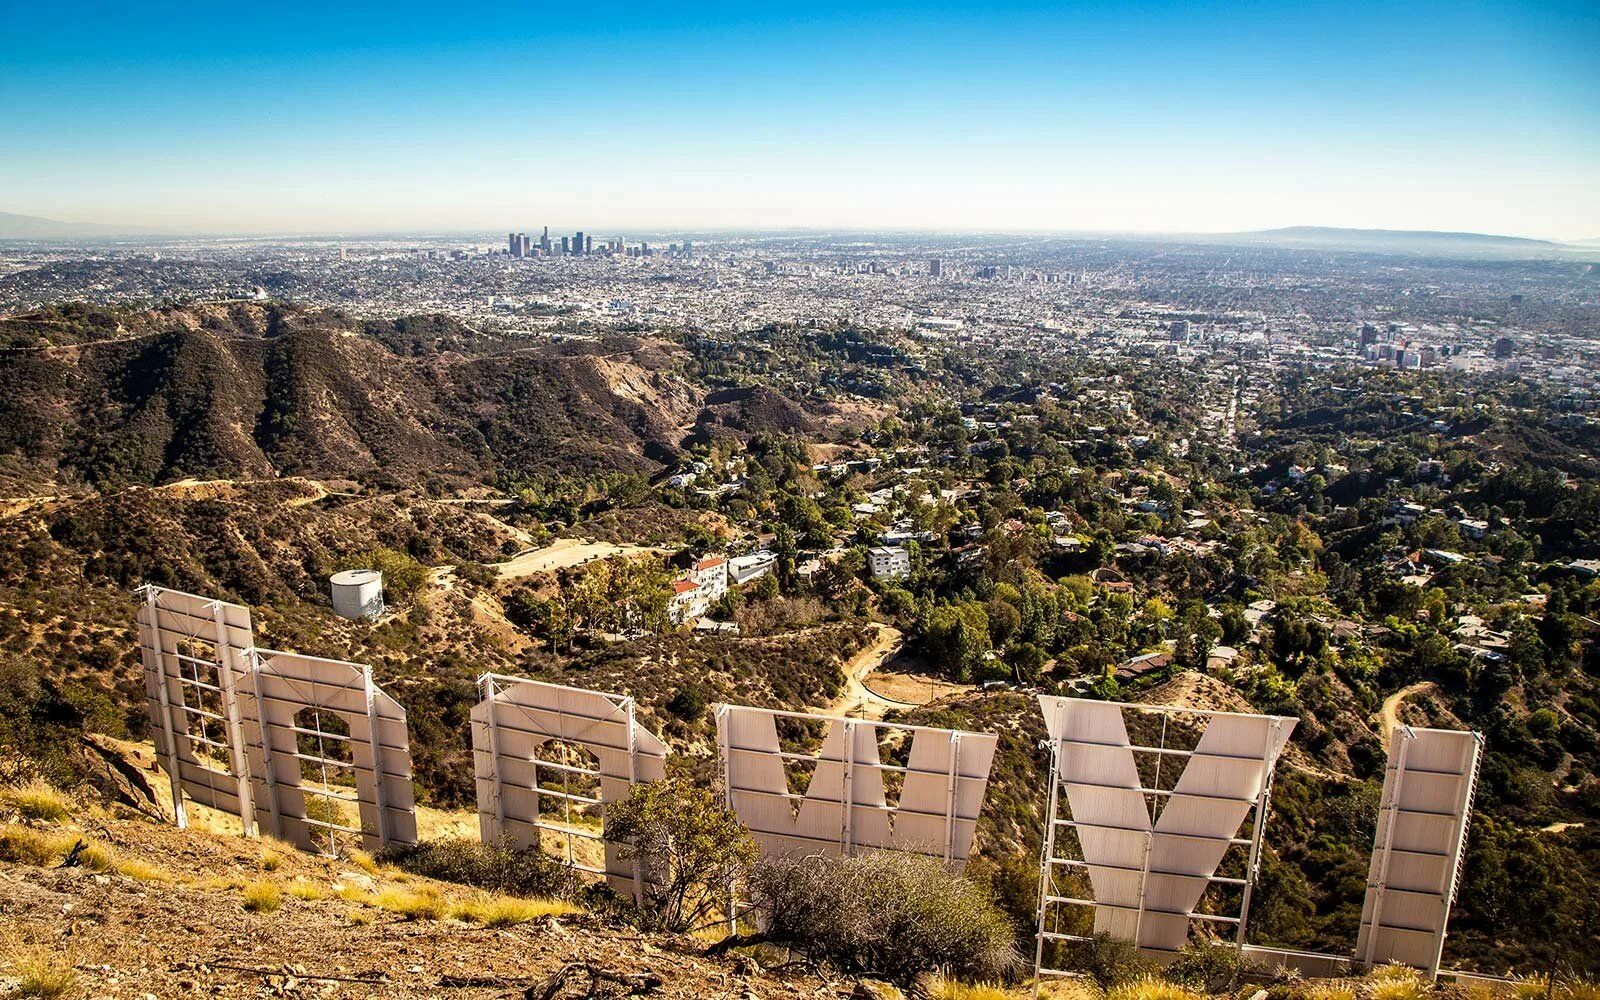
[(1025, 118)]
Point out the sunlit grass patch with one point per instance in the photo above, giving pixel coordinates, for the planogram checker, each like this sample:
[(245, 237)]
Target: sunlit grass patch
[(262, 897), (271, 860), (302, 889), (41, 972), (1150, 988), (50, 848), (1069, 989), (1395, 982), (940, 988), (1329, 991), (36, 800), (142, 870), (364, 861), (424, 904), (506, 911)]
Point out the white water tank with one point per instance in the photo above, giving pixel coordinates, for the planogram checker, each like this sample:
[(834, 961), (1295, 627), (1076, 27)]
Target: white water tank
[(357, 593)]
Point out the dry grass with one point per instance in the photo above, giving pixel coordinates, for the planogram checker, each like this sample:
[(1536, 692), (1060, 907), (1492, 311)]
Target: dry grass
[(939, 988), (1532, 987), (424, 904), (1580, 989), (1150, 988), (506, 911), (364, 861), (262, 897), (1395, 982), (1329, 991), (36, 800), (49, 848), (41, 972), (1069, 989), (142, 870), (309, 891), (271, 860)]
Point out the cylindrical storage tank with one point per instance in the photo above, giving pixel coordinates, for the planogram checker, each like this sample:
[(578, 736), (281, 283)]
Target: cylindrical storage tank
[(357, 593)]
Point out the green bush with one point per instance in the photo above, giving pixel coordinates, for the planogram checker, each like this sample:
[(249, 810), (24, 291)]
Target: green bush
[(888, 913), (495, 867), (403, 576), (689, 848)]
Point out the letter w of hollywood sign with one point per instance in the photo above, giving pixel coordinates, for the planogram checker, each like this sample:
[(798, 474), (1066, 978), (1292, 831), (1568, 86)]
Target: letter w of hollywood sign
[(945, 777), (1174, 858)]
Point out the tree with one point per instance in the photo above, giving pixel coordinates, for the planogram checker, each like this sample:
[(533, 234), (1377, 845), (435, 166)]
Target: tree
[(690, 850)]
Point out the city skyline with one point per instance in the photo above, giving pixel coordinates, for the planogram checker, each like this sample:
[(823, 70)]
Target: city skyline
[(1021, 118)]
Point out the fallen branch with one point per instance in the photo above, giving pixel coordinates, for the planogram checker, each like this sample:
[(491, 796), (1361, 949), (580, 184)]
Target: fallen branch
[(637, 984)]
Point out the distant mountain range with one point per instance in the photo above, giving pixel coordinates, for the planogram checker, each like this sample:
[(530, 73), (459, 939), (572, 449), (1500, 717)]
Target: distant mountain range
[(1408, 241), (32, 227)]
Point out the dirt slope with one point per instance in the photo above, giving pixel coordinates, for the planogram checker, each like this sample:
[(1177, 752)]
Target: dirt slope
[(192, 937)]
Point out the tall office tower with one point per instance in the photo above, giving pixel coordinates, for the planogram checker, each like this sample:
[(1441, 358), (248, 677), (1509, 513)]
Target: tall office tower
[(566, 244), (688, 249), (544, 241), (935, 268), (588, 245), (513, 244), (1369, 334), (577, 242), (1504, 347)]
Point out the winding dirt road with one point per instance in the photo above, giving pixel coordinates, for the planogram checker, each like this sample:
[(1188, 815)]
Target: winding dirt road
[(857, 699), (1389, 715)]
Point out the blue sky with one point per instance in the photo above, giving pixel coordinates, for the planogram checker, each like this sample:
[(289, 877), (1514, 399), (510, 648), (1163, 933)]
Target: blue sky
[(1155, 117)]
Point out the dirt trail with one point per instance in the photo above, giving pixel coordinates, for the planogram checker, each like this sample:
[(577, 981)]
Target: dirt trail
[(857, 699), (1389, 716)]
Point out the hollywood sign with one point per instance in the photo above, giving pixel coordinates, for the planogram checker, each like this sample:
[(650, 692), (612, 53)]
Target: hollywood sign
[(1154, 814)]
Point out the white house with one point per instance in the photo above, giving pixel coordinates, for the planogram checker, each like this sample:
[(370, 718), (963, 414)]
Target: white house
[(889, 562), (743, 569)]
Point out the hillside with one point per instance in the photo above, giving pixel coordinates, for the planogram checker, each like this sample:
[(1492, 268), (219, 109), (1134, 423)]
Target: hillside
[(254, 391), (337, 928)]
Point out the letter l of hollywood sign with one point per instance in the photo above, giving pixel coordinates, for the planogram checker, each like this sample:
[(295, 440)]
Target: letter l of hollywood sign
[(1148, 877)]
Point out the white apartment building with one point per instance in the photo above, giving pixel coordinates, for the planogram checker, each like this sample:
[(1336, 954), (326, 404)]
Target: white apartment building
[(889, 562)]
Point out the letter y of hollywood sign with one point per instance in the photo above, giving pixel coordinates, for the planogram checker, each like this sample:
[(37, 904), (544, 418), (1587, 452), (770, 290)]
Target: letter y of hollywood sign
[(1148, 877)]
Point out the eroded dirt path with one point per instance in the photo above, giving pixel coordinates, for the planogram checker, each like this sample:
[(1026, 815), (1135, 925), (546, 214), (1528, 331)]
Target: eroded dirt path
[(1389, 715)]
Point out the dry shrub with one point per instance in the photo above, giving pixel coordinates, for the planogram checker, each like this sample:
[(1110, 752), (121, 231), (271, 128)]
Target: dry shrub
[(888, 913)]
